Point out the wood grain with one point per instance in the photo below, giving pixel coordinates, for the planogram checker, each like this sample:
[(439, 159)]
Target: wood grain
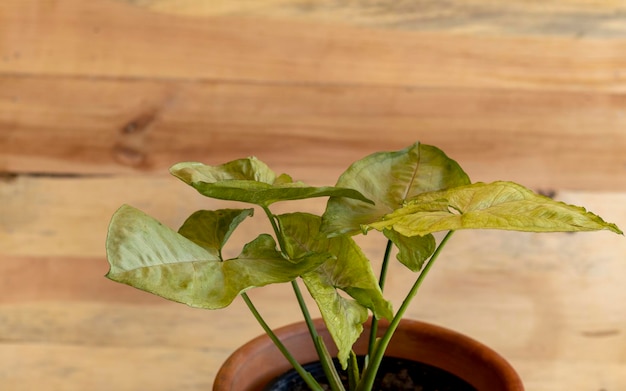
[(564, 18), (69, 216), (117, 40), (551, 317), (547, 140), (98, 98)]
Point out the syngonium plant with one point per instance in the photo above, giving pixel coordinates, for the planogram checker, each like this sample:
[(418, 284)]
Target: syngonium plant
[(407, 195)]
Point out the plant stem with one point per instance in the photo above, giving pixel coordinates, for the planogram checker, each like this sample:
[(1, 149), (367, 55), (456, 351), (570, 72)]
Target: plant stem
[(381, 282), (383, 270), (322, 351), (310, 381), (370, 372), (279, 236)]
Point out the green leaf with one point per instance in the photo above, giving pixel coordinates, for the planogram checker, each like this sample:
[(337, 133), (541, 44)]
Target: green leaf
[(211, 229), (252, 181), (145, 254), (344, 318), (349, 270), (388, 179), (413, 250), (498, 205)]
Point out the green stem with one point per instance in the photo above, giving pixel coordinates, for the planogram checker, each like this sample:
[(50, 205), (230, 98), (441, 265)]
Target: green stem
[(322, 352), (310, 381), (370, 372), (353, 371), (327, 364), (383, 270), (279, 236), (381, 282)]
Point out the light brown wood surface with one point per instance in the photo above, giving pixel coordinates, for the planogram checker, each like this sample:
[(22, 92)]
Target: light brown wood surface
[(98, 98)]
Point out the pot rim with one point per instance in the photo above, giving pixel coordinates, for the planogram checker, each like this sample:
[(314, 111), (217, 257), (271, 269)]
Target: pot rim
[(448, 350)]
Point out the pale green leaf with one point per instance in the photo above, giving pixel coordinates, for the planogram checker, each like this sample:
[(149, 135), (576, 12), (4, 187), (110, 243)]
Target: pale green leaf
[(498, 205), (248, 169), (349, 270), (388, 179), (344, 318), (252, 181), (412, 250), (212, 228), (147, 255)]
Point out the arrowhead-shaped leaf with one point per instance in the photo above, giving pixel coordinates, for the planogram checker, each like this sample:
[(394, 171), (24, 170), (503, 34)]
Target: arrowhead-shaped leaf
[(388, 179), (149, 256), (413, 250), (252, 181), (498, 205), (349, 270), (211, 229)]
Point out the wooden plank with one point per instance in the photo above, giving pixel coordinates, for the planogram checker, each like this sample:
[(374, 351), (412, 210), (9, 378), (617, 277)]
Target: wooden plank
[(114, 39), (550, 317), (74, 213), (69, 280), (557, 17), (559, 376), (69, 216), (98, 98), (558, 315), (74, 368), (549, 140)]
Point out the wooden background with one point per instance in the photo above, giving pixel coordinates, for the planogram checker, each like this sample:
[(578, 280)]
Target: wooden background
[(98, 98)]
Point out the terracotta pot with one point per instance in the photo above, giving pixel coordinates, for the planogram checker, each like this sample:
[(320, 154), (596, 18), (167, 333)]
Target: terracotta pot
[(256, 363)]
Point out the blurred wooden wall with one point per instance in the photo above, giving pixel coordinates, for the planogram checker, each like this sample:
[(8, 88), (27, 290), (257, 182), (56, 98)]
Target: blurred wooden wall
[(98, 98)]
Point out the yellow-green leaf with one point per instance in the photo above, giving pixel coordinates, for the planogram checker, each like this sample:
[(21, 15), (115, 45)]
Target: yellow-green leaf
[(252, 181), (413, 251), (498, 205), (211, 229), (348, 270), (145, 254), (388, 179)]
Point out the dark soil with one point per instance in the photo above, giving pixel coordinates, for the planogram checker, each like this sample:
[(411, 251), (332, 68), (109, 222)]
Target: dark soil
[(394, 375)]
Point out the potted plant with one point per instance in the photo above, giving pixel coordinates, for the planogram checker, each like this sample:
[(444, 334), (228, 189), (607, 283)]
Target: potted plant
[(416, 197)]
